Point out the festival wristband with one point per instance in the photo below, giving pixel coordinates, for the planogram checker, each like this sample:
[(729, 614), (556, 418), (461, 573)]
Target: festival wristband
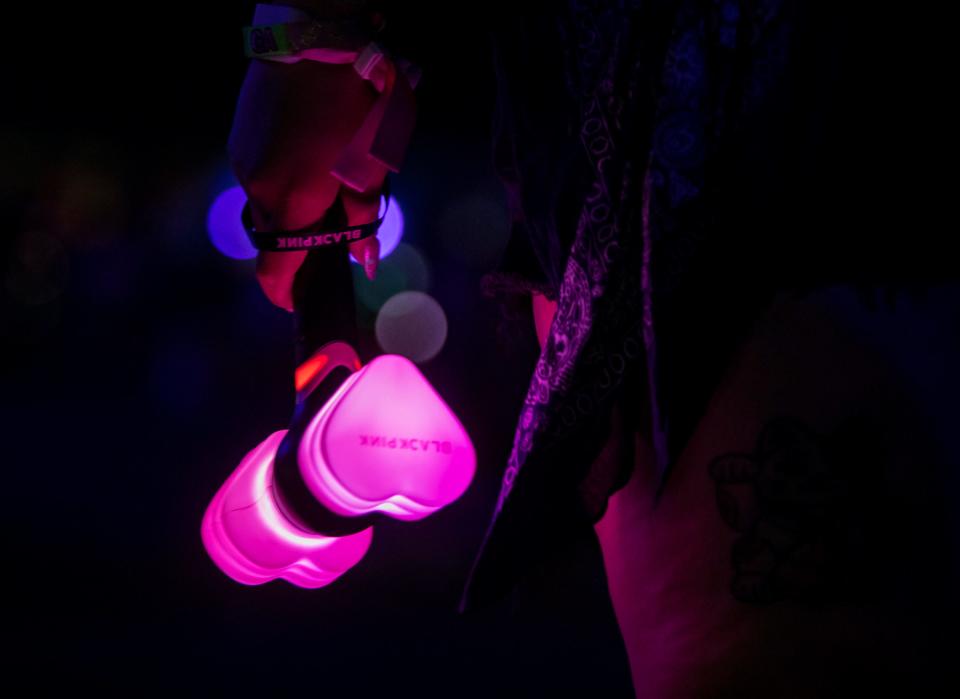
[(289, 38)]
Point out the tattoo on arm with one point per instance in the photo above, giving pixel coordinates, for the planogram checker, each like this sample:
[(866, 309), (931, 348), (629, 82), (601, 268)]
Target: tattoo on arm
[(801, 503)]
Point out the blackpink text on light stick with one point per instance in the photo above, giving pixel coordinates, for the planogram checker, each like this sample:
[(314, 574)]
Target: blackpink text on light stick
[(386, 442)]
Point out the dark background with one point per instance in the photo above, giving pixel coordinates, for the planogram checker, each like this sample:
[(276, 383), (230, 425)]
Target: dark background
[(141, 365)]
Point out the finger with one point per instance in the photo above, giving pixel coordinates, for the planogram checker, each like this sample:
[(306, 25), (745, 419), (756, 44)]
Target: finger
[(364, 207), (276, 270), (367, 253)]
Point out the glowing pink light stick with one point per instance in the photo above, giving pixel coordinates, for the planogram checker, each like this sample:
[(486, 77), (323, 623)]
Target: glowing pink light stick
[(384, 442), (363, 450)]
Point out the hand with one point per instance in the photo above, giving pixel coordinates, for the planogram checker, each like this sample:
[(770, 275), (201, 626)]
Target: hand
[(291, 122)]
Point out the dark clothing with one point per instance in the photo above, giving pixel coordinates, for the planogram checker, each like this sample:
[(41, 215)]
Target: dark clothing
[(669, 167)]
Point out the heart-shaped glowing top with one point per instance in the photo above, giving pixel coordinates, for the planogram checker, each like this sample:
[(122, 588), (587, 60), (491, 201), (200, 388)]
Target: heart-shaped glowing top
[(386, 441)]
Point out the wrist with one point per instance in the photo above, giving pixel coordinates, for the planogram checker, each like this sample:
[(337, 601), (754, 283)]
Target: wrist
[(330, 10)]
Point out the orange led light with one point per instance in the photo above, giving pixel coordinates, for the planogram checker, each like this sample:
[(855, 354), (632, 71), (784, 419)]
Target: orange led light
[(310, 368)]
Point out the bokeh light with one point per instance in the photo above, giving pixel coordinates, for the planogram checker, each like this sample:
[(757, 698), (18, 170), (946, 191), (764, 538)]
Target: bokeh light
[(225, 228), (412, 324), (391, 230), (405, 270), (37, 271), (84, 199), (227, 234)]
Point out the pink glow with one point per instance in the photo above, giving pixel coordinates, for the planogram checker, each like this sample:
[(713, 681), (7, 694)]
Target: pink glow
[(386, 442), (252, 542)]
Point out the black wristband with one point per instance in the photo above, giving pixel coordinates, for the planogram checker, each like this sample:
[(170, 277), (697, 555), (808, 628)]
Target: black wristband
[(311, 237)]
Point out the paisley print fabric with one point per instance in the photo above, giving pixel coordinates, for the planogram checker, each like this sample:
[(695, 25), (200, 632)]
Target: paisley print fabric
[(613, 121)]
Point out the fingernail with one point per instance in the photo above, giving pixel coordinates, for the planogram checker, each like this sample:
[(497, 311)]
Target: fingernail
[(369, 263)]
